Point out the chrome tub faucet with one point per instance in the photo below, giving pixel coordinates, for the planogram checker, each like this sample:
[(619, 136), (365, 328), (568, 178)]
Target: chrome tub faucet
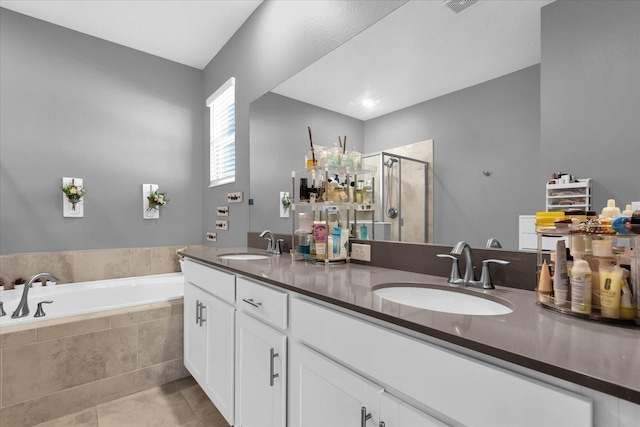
[(23, 307)]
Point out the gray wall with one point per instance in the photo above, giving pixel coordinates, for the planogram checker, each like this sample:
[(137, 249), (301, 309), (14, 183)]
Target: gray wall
[(279, 142), (492, 126), (277, 41), (74, 105), (590, 95)]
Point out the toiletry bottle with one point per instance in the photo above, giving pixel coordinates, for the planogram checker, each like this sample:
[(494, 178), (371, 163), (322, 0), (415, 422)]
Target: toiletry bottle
[(544, 284), (560, 278), (610, 291), (627, 306), (304, 191), (611, 210), (581, 287), (364, 233)]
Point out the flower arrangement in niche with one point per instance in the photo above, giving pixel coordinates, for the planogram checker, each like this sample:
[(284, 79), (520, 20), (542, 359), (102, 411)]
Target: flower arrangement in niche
[(74, 193), (156, 199)]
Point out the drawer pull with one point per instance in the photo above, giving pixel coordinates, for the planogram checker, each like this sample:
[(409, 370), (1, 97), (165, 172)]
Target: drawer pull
[(272, 375), (250, 301), (198, 312), (201, 318), (364, 416)]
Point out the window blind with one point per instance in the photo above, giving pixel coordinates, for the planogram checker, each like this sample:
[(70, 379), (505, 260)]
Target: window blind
[(222, 134)]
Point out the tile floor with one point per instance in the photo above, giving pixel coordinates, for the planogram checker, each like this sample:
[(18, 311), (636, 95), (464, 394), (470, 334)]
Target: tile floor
[(181, 403)]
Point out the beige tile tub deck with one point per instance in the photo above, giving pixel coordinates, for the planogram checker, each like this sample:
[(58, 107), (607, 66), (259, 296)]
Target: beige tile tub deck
[(57, 367)]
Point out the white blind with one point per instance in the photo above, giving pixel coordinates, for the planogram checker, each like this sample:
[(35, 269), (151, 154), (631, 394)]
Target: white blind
[(222, 139)]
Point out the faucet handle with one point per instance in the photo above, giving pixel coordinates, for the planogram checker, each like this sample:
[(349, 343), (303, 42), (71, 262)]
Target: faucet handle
[(278, 246), (454, 276), (40, 312), (485, 277), (2, 312)]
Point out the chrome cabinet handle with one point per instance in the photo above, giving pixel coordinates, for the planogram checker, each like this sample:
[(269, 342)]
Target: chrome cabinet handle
[(198, 314), (272, 375), (364, 416), (250, 301), (202, 319)]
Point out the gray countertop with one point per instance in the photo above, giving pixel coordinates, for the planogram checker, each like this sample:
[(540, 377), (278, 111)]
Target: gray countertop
[(596, 355)]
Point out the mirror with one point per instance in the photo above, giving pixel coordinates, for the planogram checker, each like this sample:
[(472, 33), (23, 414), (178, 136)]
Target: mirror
[(483, 121)]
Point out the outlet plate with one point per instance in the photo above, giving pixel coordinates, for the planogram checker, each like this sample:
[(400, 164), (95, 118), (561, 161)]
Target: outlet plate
[(361, 252), (211, 236)]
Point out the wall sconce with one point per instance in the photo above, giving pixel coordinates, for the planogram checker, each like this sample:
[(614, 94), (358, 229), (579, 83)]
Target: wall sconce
[(72, 198)]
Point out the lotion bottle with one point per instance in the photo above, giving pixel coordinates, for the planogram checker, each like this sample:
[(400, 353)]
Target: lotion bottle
[(581, 287)]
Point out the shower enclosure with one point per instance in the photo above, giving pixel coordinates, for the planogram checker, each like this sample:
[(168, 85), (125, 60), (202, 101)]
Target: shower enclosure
[(402, 183)]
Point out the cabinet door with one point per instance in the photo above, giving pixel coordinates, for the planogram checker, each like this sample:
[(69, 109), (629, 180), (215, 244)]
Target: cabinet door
[(261, 361), (195, 338), (209, 346), (396, 413), (219, 319), (324, 393)]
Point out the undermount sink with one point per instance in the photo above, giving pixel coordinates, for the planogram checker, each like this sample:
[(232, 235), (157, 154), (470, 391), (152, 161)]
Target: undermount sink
[(243, 257), (447, 300)]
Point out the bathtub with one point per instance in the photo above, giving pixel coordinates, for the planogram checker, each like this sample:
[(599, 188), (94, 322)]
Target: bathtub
[(89, 297)]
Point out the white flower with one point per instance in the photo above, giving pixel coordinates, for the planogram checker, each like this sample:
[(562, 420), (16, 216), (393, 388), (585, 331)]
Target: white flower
[(73, 190)]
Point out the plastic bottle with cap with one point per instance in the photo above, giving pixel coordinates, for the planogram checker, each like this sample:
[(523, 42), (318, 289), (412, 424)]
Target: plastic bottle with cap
[(628, 211), (611, 211), (581, 287)]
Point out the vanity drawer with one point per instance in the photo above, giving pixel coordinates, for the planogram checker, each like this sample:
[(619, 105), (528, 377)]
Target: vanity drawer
[(263, 302), (211, 280)]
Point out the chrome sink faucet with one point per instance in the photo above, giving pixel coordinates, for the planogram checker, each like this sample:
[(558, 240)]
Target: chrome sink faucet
[(273, 247), (23, 307), (463, 248), (469, 278)]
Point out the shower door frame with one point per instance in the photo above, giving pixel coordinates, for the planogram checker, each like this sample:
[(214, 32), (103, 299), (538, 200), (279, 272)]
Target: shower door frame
[(382, 192)]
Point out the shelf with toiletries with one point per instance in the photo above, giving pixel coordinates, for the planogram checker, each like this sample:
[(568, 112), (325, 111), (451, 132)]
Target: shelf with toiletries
[(331, 205), (594, 273)]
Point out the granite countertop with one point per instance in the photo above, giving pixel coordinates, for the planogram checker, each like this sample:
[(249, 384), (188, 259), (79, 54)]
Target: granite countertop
[(596, 355)]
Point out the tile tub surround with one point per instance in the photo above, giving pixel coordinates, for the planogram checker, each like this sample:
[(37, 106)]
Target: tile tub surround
[(98, 264), (53, 368)]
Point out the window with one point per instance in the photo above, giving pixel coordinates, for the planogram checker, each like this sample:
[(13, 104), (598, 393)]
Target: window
[(222, 134)]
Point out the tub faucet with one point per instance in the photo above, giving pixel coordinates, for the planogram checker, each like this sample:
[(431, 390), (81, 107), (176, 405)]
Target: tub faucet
[(463, 248), (273, 247), (23, 307)]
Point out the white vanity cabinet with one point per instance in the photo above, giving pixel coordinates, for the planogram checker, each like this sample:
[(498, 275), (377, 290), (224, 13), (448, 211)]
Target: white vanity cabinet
[(209, 328), (261, 355), (450, 387)]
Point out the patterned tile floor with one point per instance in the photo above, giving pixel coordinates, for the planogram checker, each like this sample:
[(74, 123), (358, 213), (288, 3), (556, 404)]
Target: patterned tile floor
[(178, 404)]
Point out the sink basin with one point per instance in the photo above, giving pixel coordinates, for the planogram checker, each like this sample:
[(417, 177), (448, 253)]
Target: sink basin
[(243, 257), (447, 300)]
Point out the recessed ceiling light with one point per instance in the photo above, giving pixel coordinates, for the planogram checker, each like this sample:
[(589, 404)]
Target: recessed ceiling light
[(370, 102)]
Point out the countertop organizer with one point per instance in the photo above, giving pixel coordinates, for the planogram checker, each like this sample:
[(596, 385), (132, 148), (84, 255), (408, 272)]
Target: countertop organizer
[(621, 248), (349, 208)]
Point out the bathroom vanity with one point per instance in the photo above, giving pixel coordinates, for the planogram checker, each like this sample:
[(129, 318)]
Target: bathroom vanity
[(296, 343)]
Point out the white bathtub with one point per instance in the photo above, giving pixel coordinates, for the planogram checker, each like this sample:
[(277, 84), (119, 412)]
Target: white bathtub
[(89, 297)]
